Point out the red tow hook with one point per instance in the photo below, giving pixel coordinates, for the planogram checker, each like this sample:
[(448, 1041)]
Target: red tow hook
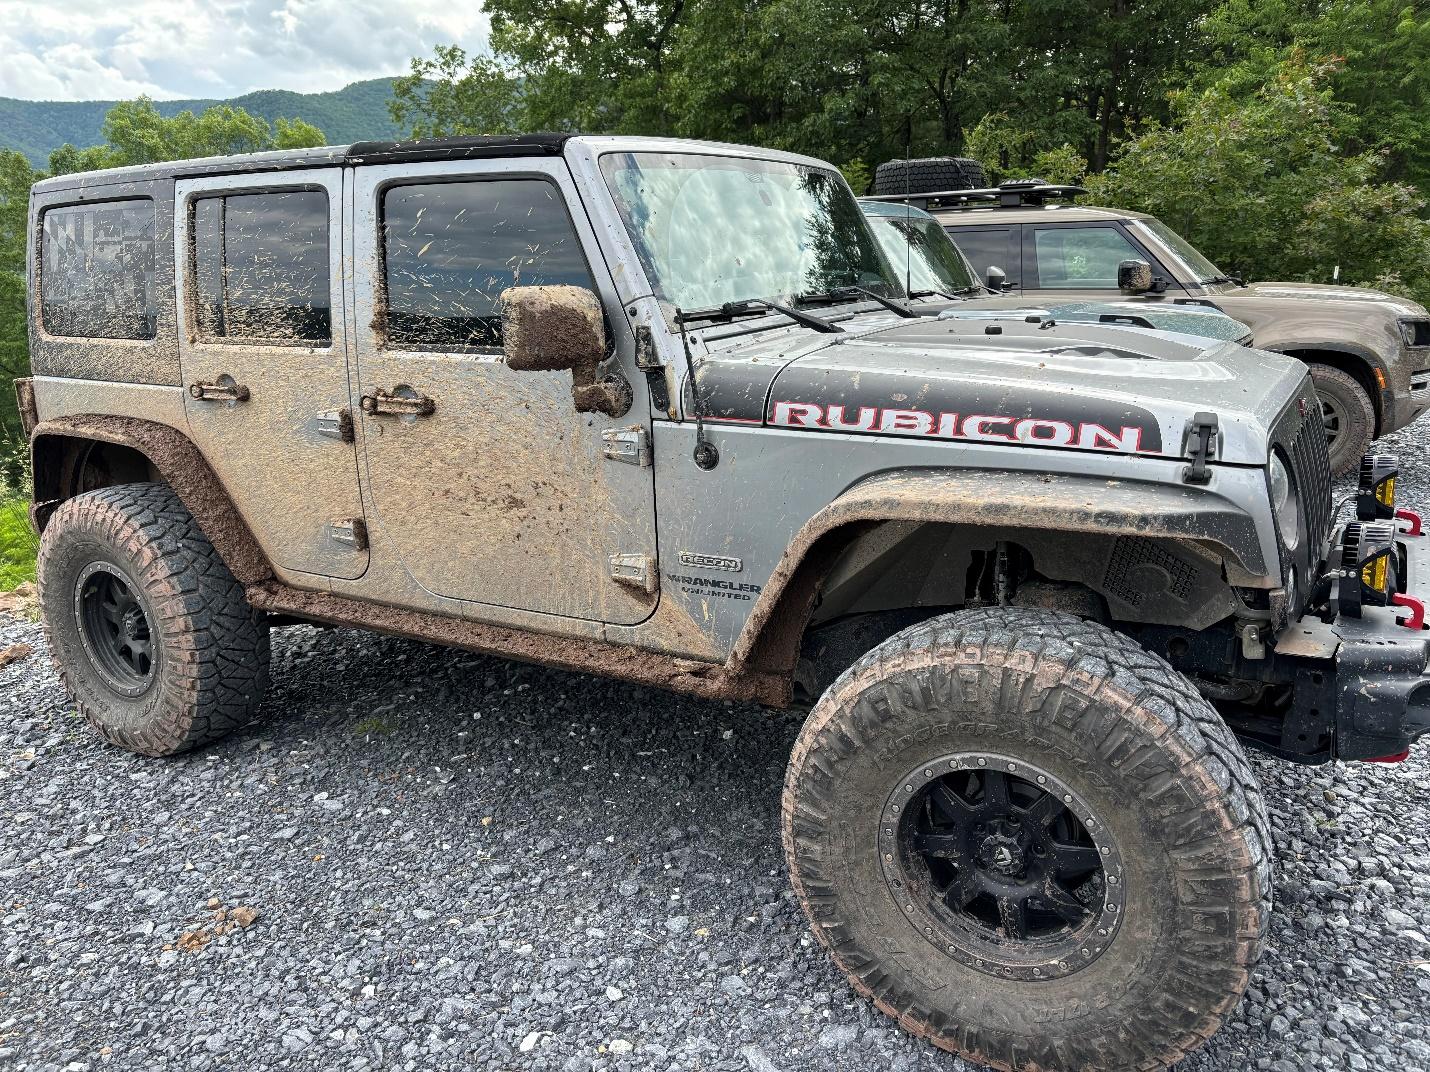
[(1413, 518), (1397, 757), (1416, 608)]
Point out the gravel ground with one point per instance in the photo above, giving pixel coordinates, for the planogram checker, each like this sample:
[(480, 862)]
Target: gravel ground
[(463, 863)]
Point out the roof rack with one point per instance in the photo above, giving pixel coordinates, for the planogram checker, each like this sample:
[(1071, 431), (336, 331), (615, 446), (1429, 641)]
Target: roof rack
[(1015, 193)]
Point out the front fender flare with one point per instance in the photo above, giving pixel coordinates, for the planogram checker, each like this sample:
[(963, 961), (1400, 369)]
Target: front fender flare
[(177, 460), (1007, 499)]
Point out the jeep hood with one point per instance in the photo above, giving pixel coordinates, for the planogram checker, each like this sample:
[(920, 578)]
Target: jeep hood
[(1072, 386), (1326, 292)]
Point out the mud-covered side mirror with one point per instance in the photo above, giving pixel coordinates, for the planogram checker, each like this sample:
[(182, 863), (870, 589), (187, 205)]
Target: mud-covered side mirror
[(547, 329), (995, 278), (1134, 277)]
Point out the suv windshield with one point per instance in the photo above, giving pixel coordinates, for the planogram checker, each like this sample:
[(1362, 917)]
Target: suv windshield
[(717, 229), (921, 249), (1197, 266)]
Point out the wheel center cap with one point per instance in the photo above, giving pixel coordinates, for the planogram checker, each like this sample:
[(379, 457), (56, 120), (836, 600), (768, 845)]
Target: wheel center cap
[(1002, 854), (133, 622)]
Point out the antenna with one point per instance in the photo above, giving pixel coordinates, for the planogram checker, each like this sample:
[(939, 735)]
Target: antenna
[(908, 210)]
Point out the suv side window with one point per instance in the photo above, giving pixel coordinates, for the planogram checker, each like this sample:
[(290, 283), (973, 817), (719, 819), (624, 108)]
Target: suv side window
[(1080, 258), (988, 246), (97, 270), (451, 249), (260, 267)]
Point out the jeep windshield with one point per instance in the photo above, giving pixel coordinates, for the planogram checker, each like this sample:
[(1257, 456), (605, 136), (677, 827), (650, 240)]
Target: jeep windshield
[(1197, 267), (920, 249), (712, 230)]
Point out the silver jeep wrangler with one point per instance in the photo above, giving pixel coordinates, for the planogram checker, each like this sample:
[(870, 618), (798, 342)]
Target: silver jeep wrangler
[(663, 410)]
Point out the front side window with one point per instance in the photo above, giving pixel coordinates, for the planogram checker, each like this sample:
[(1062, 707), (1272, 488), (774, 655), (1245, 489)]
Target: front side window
[(716, 229), (451, 249), (1081, 258), (97, 270), (260, 267)]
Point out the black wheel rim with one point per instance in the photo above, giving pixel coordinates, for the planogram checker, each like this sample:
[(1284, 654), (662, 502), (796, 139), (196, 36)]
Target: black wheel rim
[(115, 628), (1002, 866), (1331, 418)]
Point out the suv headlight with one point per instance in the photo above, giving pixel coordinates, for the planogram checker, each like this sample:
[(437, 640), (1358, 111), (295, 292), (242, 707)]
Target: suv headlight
[(1415, 332), (1285, 504)]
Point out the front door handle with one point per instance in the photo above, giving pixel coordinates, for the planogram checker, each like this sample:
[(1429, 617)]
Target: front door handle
[(401, 401), (223, 389)]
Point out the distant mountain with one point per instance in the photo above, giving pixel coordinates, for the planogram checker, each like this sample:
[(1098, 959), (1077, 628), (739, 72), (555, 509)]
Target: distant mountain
[(353, 113)]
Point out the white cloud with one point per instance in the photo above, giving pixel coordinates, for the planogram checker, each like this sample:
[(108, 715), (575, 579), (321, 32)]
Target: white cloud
[(107, 49)]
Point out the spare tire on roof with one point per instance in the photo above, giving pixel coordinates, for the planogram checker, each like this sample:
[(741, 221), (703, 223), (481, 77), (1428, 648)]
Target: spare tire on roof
[(928, 175)]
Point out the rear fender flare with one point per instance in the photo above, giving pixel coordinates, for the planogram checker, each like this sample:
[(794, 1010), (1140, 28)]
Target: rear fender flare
[(176, 459)]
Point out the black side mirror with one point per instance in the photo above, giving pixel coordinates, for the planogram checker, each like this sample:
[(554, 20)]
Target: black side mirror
[(548, 329), (995, 279), (1134, 277)]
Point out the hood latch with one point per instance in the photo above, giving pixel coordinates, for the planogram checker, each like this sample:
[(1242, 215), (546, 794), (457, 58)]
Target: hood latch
[(1200, 441)]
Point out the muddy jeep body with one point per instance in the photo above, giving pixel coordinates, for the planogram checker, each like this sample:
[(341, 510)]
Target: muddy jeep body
[(751, 501)]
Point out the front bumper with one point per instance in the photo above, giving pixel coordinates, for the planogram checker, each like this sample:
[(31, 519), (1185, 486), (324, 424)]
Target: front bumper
[(1362, 685)]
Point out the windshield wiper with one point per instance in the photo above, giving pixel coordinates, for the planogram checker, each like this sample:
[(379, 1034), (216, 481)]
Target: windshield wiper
[(1223, 279), (733, 309), (841, 292)]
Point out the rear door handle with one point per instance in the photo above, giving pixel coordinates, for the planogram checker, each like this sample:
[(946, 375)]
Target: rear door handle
[(223, 389), (402, 401)]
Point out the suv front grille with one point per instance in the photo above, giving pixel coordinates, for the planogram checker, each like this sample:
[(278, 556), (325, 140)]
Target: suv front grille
[(1311, 468)]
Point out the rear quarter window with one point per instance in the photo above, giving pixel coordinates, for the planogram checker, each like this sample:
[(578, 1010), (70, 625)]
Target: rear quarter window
[(97, 270)]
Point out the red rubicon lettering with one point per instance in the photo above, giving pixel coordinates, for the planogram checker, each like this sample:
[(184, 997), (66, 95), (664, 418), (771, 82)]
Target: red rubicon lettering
[(868, 419), (798, 414), (978, 427)]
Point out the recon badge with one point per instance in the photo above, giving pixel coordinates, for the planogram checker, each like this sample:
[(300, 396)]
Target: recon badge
[(720, 562)]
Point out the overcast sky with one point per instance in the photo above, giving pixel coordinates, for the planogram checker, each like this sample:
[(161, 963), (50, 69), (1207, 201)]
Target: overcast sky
[(111, 49)]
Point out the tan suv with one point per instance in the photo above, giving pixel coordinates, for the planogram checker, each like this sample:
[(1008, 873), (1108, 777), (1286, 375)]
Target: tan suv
[(1368, 351)]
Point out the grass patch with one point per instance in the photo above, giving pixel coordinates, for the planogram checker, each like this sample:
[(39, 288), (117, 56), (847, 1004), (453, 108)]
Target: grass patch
[(18, 542)]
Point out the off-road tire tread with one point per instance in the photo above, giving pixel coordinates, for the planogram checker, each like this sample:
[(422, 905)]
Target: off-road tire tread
[(214, 664), (1362, 414), (1099, 664), (928, 175)]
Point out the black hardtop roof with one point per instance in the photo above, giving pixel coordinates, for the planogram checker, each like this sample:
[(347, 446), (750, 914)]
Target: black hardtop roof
[(358, 154)]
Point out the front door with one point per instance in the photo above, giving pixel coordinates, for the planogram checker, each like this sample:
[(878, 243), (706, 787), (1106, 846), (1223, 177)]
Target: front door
[(492, 488), (1078, 261), (263, 350)]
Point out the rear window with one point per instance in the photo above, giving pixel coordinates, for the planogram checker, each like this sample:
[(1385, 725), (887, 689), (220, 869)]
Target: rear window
[(97, 270), (260, 267)]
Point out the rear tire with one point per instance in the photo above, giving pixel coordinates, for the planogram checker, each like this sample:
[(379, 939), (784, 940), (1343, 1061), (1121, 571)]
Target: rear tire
[(1349, 415), (1103, 909), (152, 635), (928, 175)]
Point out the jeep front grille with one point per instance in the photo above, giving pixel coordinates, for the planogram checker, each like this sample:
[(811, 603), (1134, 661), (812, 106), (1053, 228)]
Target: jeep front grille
[(1311, 467)]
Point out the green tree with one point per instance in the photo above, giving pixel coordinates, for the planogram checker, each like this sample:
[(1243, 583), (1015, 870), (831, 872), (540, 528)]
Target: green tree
[(16, 177), (1263, 184), (454, 94), (135, 133)]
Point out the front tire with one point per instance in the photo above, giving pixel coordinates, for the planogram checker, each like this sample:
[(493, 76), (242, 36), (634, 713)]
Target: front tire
[(151, 633), (1099, 902), (1349, 415)]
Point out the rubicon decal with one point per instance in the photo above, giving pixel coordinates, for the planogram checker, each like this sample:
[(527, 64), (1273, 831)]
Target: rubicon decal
[(1028, 431)]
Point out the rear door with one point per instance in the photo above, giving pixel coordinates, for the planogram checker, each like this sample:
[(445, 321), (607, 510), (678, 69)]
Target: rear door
[(262, 346), (494, 489)]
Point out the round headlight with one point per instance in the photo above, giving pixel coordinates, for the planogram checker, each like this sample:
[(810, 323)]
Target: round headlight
[(1285, 503)]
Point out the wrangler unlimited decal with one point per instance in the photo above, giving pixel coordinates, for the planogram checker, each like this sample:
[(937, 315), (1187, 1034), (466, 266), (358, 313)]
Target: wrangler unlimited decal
[(979, 427)]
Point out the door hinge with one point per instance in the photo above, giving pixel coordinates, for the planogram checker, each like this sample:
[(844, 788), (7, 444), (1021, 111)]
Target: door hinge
[(1200, 442), (629, 445), (638, 571), (335, 424), (349, 532)]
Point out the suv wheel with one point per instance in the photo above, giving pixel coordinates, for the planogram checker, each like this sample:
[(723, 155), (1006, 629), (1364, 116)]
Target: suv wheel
[(1349, 416), (151, 633), (1031, 842), (928, 175)]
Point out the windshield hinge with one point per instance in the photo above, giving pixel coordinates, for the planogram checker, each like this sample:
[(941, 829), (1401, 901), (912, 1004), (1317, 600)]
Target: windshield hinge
[(1200, 443), (630, 445), (636, 571)]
